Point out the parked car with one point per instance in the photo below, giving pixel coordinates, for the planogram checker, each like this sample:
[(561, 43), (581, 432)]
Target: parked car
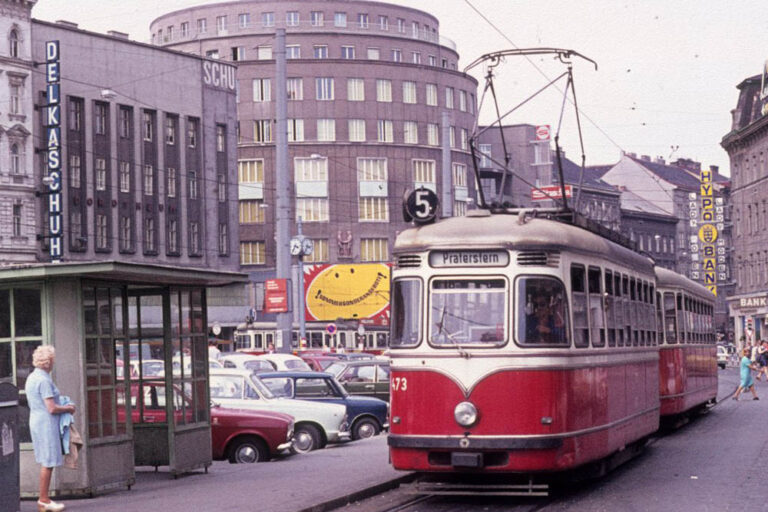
[(318, 362), (367, 416), (285, 362), (722, 356), (243, 361), (367, 377), (316, 424), (238, 435)]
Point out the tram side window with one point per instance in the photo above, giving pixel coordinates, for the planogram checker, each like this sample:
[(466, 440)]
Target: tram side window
[(633, 312), (596, 307), (654, 315), (468, 311), (406, 313), (580, 318), (610, 313), (542, 311), (618, 309), (627, 300), (659, 318)]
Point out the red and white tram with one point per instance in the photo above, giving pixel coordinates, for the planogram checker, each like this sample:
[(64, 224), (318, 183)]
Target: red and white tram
[(524, 345)]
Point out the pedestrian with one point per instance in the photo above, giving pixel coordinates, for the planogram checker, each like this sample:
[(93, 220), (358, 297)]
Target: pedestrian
[(762, 360), (213, 350), (44, 420), (746, 376)]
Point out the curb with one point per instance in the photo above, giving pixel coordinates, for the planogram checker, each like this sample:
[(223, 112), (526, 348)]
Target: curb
[(360, 495)]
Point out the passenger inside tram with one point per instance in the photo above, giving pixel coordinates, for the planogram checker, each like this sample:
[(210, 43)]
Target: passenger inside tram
[(545, 312)]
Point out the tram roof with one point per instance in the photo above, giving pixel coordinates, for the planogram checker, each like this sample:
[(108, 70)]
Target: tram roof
[(668, 279), (493, 231)]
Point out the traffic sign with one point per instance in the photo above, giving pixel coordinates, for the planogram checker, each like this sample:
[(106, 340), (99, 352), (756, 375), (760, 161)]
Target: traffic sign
[(331, 329), (421, 206)]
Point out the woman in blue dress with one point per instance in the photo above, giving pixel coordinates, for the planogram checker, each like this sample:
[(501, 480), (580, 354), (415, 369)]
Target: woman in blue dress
[(746, 376), (44, 411)]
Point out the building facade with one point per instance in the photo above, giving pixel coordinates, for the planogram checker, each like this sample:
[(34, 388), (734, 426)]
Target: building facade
[(17, 116), (747, 145), (376, 105)]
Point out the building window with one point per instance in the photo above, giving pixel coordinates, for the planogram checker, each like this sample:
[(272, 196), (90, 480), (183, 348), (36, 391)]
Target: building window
[(15, 44), (319, 251), (459, 208), (374, 54), (384, 90), (169, 34), (432, 60), (383, 23), (149, 180), (244, 20), (452, 137), (124, 171), (173, 236), (184, 29), (316, 18), (541, 154), (340, 19), (212, 54), (202, 26), (221, 25), (222, 188), (194, 238), (463, 139), (101, 174), (193, 184), (295, 88), (449, 97), (15, 107), (263, 52), (372, 169), (170, 130), (397, 55), (410, 132), (356, 130), (384, 131), (262, 130), (401, 25), (125, 234), (373, 209), (362, 20), (485, 156), (148, 126), (262, 90), (433, 138), (101, 231), (295, 130), (74, 171), (432, 95), (125, 123), (463, 101), (252, 253), (75, 114), (347, 52), (320, 51), (312, 209), (324, 89), (251, 211), (374, 249), (415, 29), (355, 89), (192, 133), (221, 138), (250, 171), (100, 118), (459, 175), (149, 234), (424, 171), (292, 19), (223, 240), (267, 19), (238, 53), (16, 167), (409, 92), (416, 57), (293, 51), (17, 219), (76, 239), (171, 186), (326, 130)]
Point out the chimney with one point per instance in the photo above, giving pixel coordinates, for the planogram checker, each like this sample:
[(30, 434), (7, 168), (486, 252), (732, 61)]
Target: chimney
[(715, 169), (119, 35), (659, 160), (645, 158), (67, 23)]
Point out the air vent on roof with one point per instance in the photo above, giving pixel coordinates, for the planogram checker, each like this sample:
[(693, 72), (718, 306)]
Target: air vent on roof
[(538, 258), (409, 261), (67, 23)]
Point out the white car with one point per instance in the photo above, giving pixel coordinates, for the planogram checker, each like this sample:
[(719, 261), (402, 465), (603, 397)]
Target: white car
[(243, 361), (286, 362), (722, 357), (315, 423)]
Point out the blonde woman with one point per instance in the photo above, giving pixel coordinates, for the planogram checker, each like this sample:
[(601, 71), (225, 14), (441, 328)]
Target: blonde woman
[(44, 411)]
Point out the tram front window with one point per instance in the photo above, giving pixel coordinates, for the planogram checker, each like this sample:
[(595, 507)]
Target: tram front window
[(542, 316), (406, 308), (468, 311)]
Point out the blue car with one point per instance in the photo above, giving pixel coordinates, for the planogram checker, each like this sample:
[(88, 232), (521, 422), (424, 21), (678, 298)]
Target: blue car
[(367, 416)]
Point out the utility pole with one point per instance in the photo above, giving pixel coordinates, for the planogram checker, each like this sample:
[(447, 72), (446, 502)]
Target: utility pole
[(446, 175), (282, 190), (302, 317)]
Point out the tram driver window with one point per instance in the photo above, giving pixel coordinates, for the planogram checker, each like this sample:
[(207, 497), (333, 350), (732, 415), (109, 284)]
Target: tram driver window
[(406, 312), (541, 312), (468, 311)]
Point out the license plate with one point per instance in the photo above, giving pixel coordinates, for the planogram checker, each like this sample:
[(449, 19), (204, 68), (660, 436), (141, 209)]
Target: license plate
[(467, 460)]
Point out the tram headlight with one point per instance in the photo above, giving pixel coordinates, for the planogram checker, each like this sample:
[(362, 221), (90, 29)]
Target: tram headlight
[(465, 414)]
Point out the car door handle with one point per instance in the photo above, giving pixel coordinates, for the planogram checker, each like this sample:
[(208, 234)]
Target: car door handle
[(369, 386)]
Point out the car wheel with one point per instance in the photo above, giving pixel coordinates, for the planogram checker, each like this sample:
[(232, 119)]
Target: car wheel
[(365, 428), (247, 450), (305, 439)]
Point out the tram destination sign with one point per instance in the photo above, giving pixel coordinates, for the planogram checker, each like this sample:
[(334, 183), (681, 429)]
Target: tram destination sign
[(450, 259)]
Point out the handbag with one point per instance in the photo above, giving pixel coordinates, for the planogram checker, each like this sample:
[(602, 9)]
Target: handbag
[(75, 445)]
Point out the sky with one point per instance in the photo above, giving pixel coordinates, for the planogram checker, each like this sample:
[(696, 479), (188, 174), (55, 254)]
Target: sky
[(666, 78)]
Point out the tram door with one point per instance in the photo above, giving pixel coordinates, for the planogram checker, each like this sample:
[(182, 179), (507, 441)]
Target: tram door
[(168, 372)]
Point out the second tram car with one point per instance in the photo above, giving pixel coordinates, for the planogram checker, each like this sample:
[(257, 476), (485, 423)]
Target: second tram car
[(525, 345)]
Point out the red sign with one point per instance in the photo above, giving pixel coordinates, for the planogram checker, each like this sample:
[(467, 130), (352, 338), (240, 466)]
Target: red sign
[(550, 192), (542, 132), (275, 296)]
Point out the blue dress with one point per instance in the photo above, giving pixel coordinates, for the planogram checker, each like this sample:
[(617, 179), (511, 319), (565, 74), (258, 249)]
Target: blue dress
[(43, 426), (746, 373)]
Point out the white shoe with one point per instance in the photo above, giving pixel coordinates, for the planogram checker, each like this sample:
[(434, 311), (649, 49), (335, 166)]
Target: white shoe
[(51, 506)]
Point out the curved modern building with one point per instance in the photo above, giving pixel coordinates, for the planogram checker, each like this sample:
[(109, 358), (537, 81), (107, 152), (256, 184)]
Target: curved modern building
[(368, 86)]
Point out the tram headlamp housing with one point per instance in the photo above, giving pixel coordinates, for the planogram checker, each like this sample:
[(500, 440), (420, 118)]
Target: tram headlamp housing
[(465, 414)]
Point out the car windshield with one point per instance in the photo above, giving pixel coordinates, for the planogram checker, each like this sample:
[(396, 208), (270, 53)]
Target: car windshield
[(468, 311), (335, 368), (258, 366), (298, 365), (264, 390)]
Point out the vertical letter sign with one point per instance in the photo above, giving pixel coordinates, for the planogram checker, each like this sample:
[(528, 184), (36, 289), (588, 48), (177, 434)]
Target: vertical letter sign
[(53, 138)]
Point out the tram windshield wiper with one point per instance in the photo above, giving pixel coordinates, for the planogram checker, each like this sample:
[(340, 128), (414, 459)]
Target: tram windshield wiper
[(441, 330)]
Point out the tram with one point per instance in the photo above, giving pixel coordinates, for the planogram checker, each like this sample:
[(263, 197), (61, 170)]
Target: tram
[(521, 343), (256, 337)]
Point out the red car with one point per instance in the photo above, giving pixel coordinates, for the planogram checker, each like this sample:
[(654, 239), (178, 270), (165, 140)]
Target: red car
[(236, 434), (318, 362)]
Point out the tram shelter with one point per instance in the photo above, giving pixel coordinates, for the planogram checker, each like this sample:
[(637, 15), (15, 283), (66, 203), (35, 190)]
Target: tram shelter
[(131, 353)]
